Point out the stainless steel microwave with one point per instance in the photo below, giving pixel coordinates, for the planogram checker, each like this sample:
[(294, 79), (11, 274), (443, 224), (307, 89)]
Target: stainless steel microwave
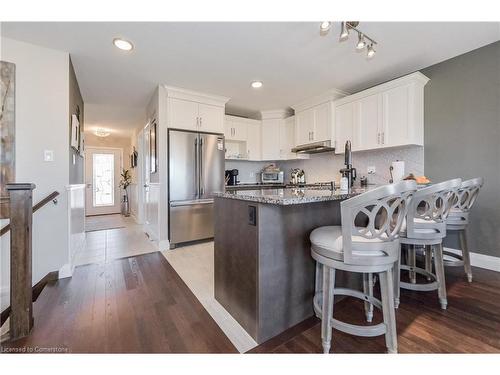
[(272, 177)]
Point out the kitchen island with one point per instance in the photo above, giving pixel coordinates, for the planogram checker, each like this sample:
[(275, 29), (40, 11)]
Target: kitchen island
[(264, 273)]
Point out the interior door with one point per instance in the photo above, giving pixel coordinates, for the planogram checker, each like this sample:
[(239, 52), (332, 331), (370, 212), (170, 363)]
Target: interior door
[(102, 174)]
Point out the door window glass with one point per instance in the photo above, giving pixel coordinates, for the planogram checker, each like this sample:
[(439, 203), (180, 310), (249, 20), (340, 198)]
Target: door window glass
[(104, 180)]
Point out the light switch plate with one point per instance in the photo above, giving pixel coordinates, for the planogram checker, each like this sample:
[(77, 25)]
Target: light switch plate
[(48, 155), (371, 170)]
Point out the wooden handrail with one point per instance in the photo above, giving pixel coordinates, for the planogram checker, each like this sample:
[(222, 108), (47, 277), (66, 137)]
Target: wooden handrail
[(36, 207)]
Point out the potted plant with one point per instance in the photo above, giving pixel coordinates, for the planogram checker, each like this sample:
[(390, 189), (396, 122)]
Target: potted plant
[(126, 180)]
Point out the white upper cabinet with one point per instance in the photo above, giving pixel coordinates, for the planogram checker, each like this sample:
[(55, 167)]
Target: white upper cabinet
[(211, 118), (344, 126), (323, 122), (271, 139), (388, 115), (314, 118), (235, 129), (304, 127), (196, 111), (183, 114), (287, 138), (367, 119), (253, 141)]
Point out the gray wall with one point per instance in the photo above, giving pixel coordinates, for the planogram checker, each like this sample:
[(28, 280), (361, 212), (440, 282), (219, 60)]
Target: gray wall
[(462, 135), (75, 100)]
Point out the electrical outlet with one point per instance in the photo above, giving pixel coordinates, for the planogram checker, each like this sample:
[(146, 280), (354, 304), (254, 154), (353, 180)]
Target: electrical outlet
[(371, 170), (252, 174), (48, 155)]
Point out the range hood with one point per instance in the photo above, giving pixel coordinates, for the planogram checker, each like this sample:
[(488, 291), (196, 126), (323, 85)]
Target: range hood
[(314, 148)]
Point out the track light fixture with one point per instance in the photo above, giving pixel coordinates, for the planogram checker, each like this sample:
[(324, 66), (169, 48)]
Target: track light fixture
[(370, 51), (344, 32), (361, 42), (345, 27)]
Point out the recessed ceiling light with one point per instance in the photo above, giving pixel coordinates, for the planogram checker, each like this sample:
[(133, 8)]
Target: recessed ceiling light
[(324, 27), (123, 44), (256, 84)]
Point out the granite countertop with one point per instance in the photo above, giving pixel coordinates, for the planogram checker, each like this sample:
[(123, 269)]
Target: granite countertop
[(253, 186), (289, 196)]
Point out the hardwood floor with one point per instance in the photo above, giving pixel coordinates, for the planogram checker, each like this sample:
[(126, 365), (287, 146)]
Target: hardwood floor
[(130, 305), (140, 305), (471, 324)]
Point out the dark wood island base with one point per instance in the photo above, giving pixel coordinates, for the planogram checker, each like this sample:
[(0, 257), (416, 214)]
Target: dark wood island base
[(264, 273)]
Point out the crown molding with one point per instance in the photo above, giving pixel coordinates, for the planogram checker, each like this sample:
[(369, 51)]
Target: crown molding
[(330, 95), (275, 114), (195, 96)]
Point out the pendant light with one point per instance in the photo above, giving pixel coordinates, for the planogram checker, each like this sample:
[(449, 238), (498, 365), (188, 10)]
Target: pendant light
[(344, 32), (361, 42)]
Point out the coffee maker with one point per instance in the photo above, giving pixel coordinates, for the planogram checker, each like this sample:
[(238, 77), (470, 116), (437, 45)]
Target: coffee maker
[(349, 172), (231, 177)]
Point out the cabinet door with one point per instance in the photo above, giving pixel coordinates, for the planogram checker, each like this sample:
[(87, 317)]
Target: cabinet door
[(253, 142), (211, 118), (183, 114), (344, 126), (270, 139), (395, 129), (322, 123), (304, 127), (287, 138), (228, 129), (239, 130), (367, 122)]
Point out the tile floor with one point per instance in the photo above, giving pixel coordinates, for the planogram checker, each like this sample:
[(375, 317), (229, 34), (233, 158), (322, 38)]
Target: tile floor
[(109, 244), (195, 266)]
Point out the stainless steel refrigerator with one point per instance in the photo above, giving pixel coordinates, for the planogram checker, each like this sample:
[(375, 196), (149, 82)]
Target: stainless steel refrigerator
[(195, 172)]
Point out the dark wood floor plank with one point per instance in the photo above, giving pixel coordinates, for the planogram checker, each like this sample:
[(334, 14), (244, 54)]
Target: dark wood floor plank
[(469, 325), (130, 305)]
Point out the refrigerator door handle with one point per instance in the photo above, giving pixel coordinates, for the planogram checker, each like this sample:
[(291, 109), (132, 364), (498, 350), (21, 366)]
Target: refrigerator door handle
[(191, 202), (201, 182), (196, 167)]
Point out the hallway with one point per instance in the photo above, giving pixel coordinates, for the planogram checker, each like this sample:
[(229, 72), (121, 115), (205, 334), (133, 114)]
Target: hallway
[(109, 244)]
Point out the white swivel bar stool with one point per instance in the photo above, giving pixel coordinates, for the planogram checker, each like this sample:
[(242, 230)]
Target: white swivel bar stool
[(425, 225), (458, 219), (373, 248)]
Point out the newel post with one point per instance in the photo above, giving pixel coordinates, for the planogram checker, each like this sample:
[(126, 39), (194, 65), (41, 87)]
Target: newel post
[(21, 215)]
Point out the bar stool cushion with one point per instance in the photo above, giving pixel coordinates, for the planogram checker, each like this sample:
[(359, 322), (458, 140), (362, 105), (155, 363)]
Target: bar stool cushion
[(327, 241)]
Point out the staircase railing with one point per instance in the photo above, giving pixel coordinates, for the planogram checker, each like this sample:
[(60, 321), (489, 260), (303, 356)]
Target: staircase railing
[(20, 226)]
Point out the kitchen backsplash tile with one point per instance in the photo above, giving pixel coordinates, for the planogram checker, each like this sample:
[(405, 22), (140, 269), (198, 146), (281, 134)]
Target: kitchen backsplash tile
[(325, 167)]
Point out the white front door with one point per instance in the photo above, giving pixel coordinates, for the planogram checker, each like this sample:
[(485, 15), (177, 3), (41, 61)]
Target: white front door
[(102, 176)]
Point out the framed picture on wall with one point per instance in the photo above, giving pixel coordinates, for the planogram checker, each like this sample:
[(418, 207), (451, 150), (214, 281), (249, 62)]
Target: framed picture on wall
[(153, 147), (75, 132)]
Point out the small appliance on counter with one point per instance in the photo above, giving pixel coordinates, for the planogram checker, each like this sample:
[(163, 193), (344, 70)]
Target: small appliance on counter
[(231, 177), (298, 176), (348, 172), (272, 175)]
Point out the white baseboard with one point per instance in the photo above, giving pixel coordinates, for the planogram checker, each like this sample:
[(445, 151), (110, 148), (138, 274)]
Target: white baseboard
[(480, 260), (66, 271), (163, 245)]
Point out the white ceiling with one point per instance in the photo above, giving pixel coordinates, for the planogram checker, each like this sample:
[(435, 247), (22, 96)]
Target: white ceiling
[(291, 58)]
